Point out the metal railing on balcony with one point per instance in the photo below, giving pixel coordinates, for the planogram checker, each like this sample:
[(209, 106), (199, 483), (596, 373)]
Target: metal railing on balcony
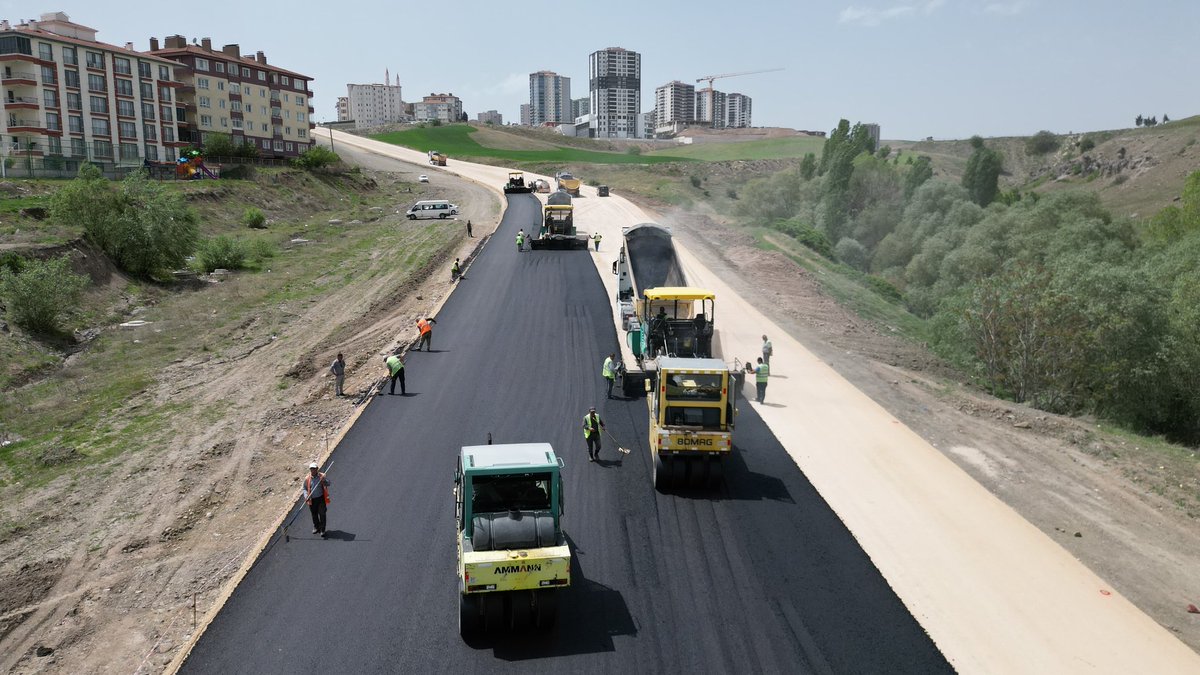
[(26, 124), (19, 75), (22, 99)]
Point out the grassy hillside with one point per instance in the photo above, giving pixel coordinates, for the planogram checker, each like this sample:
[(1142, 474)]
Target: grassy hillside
[(792, 147), (460, 141)]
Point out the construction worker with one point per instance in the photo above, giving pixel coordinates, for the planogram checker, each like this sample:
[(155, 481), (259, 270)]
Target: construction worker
[(316, 495), (761, 372), (592, 424), (469, 233), (395, 366), (455, 270), (609, 371), (520, 240), (767, 350), (339, 374), (424, 325), (596, 240)]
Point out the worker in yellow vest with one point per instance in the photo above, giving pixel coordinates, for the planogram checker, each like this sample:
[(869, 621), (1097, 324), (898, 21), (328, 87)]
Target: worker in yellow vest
[(520, 240), (395, 368), (609, 371), (761, 373), (592, 424)]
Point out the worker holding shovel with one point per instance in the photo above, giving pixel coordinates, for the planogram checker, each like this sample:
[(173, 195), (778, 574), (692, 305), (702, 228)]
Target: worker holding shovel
[(316, 495)]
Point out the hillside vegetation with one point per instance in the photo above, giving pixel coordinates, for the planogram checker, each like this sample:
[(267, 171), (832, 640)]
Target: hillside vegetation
[(459, 141)]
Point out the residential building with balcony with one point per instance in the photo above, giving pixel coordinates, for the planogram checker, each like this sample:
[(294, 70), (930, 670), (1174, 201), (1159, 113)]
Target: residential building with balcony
[(445, 108), (372, 105), (737, 111), (615, 87), (580, 107), (675, 107), (490, 117), (243, 96), (343, 109), (710, 107), (526, 114), (549, 99), (72, 98)]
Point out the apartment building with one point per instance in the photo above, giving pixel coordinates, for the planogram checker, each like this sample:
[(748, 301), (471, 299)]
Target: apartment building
[(526, 114), (243, 96), (69, 97), (615, 87), (445, 108), (371, 105), (873, 134), (343, 109), (675, 107), (490, 117), (580, 107), (737, 111), (710, 107), (549, 98)]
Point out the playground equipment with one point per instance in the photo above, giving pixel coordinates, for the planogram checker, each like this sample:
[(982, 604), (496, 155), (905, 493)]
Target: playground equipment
[(190, 165)]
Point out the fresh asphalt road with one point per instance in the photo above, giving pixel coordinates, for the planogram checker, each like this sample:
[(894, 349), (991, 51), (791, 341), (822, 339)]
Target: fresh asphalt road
[(759, 576)]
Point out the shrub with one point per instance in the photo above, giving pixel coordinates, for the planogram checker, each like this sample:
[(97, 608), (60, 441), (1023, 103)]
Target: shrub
[(731, 193), (1121, 178), (317, 157), (807, 235), (41, 292), (260, 250), (1086, 144), (237, 172), (1041, 143), (695, 180), (11, 261), (852, 253), (634, 151), (884, 288), (254, 218), (221, 252)]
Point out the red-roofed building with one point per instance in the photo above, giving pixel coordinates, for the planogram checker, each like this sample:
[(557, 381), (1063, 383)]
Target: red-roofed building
[(243, 96), (69, 98)]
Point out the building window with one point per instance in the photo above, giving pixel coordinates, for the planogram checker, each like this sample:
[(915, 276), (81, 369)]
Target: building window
[(100, 127), (225, 122), (95, 60), (262, 92), (290, 147), (124, 87), (221, 103), (266, 143), (206, 120), (54, 145), (264, 127), (202, 64), (122, 66), (99, 104), (262, 76), (150, 131), (220, 85), (164, 94), (147, 111), (71, 78), (125, 108), (249, 109), (279, 146), (166, 113), (45, 51), (53, 122), (78, 147), (168, 135), (144, 70), (236, 106), (75, 124), (237, 123), (219, 66), (147, 91), (50, 98), (202, 83), (287, 131), (203, 102), (169, 154), (127, 129), (299, 117), (70, 56), (102, 149), (129, 151), (245, 72), (299, 100), (285, 81), (302, 133), (164, 72), (235, 88), (48, 75), (152, 152), (97, 83)]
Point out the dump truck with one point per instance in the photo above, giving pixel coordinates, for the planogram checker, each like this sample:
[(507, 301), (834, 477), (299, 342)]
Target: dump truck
[(513, 557), (516, 184), (557, 230), (542, 186), (437, 159), (569, 183)]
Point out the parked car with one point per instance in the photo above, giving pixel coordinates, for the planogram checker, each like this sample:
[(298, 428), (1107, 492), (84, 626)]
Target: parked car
[(423, 178)]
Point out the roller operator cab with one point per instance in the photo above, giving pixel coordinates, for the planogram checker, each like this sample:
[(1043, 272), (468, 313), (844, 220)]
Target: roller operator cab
[(513, 558)]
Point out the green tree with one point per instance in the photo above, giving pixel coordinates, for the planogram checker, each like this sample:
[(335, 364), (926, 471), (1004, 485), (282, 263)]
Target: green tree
[(1041, 143), (852, 253), (41, 292), (317, 157), (808, 166), (920, 171), (982, 175), (837, 138)]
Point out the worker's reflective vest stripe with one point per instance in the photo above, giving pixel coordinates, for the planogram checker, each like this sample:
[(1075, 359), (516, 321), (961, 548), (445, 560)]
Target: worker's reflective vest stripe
[(520, 239), (589, 427), (607, 371), (424, 325), (394, 364), (308, 489), (761, 373)]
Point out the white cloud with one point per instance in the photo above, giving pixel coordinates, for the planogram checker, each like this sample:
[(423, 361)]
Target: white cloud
[(870, 16), (1006, 8)]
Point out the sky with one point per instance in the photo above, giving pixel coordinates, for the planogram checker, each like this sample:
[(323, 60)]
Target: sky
[(918, 68)]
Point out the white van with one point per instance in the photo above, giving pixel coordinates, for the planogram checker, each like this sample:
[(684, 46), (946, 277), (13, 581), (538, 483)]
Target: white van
[(433, 208)]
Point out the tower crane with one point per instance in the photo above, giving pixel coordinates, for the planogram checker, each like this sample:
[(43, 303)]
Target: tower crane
[(709, 78)]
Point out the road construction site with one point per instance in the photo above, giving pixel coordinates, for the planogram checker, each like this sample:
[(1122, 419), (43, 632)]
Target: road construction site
[(839, 541)]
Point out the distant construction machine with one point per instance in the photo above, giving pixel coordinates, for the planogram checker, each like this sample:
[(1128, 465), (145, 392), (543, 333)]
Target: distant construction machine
[(516, 184), (569, 183), (437, 159), (557, 230)]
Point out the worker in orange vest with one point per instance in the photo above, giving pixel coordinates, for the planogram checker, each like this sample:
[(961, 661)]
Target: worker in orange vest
[(316, 495), (424, 325)]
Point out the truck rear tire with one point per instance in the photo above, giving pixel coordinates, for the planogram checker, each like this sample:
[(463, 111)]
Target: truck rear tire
[(679, 471)]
